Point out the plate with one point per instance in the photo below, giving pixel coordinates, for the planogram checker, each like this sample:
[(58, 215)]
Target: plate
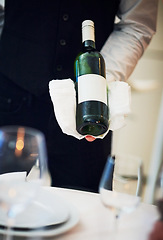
[(48, 215)]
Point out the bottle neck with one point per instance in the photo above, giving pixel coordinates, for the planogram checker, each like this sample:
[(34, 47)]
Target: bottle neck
[(89, 45), (88, 35)]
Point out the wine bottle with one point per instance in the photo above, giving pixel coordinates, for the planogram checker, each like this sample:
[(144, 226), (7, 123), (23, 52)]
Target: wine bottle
[(92, 104)]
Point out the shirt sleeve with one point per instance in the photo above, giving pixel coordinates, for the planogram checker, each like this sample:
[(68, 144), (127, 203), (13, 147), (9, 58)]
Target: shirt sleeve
[(130, 37)]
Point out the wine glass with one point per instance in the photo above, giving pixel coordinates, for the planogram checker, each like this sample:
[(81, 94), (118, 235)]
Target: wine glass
[(23, 169), (120, 185)]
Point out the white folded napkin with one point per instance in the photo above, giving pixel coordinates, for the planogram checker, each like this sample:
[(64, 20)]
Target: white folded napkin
[(63, 96), (13, 176), (119, 103), (9, 195)]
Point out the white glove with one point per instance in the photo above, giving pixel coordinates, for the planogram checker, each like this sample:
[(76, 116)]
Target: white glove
[(63, 96)]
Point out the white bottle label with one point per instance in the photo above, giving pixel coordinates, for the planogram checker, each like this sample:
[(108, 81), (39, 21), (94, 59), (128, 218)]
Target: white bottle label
[(92, 87)]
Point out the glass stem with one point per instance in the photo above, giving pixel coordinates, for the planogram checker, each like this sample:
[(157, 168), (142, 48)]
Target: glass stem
[(8, 235), (115, 225)]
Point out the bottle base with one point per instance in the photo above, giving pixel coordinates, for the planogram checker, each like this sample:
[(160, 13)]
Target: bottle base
[(93, 129)]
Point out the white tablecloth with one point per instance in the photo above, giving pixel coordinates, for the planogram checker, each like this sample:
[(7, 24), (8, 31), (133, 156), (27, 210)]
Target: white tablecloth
[(96, 222)]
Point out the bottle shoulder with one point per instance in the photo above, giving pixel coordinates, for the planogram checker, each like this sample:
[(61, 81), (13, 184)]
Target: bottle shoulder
[(89, 54), (90, 62)]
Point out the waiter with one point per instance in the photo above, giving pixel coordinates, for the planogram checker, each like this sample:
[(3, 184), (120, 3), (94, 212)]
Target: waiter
[(39, 42)]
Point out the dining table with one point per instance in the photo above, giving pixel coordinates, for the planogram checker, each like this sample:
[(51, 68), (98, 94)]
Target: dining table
[(93, 221)]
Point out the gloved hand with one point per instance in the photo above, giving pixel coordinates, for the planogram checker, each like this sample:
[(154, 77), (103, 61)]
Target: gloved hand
[(63, 96)]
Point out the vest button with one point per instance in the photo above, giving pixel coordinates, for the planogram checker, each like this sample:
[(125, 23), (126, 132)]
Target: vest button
[(9, 100), (65, 17), (62, 42), (59, 68)]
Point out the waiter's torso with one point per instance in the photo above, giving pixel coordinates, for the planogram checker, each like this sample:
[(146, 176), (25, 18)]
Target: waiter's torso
[(41, 38)]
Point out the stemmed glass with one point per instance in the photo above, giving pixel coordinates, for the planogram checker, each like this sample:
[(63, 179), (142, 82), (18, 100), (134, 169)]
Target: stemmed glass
[(120, 185), (23, 169)]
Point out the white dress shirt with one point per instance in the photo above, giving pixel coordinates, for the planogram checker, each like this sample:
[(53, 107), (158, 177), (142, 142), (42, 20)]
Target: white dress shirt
[(130, 37)]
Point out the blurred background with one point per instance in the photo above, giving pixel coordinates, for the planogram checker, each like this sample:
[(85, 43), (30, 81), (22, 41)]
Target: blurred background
[(143, 134)]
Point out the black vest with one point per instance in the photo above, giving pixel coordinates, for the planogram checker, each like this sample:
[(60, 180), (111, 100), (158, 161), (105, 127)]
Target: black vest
[(41, 38)]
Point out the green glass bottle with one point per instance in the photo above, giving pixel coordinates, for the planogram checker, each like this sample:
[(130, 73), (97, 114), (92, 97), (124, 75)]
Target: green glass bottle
[(92, 112)]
